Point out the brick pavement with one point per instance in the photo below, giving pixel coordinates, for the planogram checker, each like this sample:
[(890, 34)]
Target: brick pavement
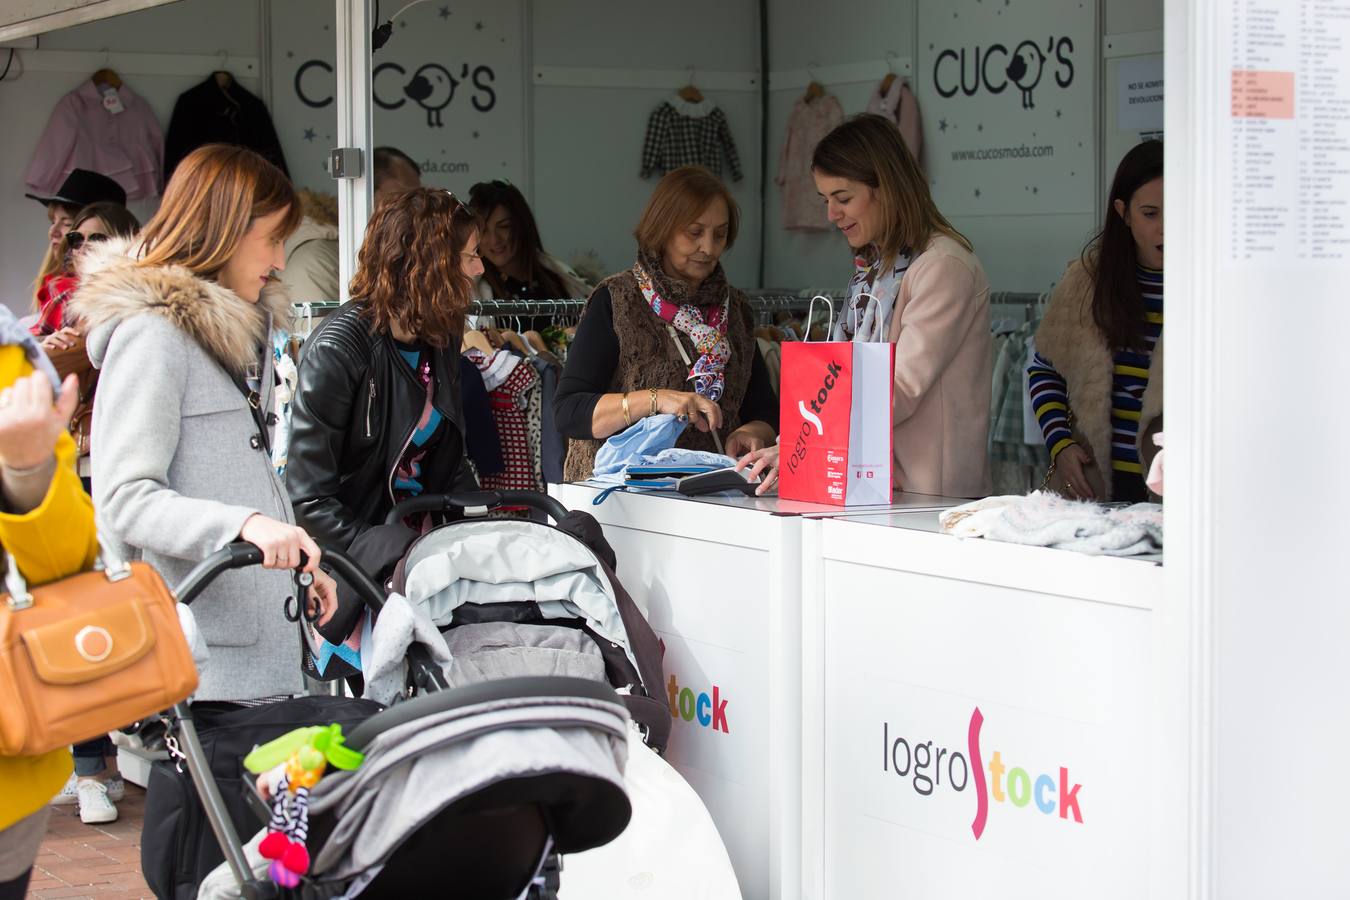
[(92, 861)]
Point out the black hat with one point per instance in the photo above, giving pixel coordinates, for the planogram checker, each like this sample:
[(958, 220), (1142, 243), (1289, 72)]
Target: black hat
[(83, 187)]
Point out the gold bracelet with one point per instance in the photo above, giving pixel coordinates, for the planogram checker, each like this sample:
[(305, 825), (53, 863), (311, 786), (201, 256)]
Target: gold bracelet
[(653, 390), (626, 416)]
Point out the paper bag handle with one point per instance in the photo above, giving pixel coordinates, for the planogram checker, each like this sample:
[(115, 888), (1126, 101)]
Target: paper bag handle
[(810, 316)]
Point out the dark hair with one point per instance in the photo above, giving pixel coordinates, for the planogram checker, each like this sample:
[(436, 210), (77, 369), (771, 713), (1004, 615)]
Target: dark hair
[(408, 269), (387, 159), (679, 199), (120, 220), (1117, 303), (868, 149), (527, 248), (116, 218)]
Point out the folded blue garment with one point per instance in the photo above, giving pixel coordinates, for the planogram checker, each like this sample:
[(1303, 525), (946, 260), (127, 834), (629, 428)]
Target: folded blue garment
[(645, 437), (648, 446)]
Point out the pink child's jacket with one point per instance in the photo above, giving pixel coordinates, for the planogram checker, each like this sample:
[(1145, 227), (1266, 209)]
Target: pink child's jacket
[(82, 133)]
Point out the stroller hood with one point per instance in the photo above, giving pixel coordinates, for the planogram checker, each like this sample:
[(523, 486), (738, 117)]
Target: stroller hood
[(568, 752), (480, 563), (504, 561)]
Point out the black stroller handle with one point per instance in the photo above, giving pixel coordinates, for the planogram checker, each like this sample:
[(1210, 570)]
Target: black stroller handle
[(489, 499), (241, 555)]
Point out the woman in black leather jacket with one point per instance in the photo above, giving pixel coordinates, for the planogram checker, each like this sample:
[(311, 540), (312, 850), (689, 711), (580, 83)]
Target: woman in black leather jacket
[(377, 416)]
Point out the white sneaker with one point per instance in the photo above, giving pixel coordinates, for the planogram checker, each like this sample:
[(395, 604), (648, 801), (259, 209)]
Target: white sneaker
[(95, 807), (69, 796)]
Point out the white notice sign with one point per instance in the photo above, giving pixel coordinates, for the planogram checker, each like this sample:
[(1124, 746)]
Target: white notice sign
[(1140, 94)]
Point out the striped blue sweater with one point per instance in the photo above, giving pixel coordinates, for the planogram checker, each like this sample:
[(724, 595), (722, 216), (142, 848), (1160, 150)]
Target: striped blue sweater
[(1050, 395)]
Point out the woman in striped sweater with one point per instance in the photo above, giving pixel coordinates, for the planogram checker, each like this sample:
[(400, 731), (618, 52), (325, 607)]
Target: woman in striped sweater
[(1096, 378)]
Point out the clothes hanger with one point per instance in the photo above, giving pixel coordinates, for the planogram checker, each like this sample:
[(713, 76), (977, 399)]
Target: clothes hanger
[(815, 90), (689, 93), (224, 80), (105, 75), (476, 340), (890, 76)]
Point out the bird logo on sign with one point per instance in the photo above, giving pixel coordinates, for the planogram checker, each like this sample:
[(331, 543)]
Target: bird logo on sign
[(432, 87), (1025, 69)]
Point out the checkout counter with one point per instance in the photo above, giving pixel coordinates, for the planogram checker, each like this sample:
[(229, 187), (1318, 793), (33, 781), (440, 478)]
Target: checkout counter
[(871, 708)]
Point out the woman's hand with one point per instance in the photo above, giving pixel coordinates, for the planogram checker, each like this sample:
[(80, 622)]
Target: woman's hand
[(65, 339), (763, 464), (701, 412), (750, 436), (30, 423), (323, 598), (280, 543), (1072, 462)]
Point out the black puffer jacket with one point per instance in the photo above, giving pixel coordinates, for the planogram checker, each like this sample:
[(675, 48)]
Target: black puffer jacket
[(355, 408)]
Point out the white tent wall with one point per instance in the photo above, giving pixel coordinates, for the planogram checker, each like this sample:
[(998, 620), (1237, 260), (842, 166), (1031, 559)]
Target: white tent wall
[(582, 144), (587, 141), (1022, 248), (190, 28)]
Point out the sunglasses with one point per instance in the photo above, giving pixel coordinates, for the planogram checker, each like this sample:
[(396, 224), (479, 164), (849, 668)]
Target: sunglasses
[(77, 239)]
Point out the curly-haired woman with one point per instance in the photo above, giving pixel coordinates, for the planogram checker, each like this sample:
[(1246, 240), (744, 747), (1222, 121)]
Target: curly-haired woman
[(377, 415)]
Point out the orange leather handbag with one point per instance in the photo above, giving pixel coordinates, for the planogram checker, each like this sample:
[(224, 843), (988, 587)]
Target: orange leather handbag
[(88, 654)]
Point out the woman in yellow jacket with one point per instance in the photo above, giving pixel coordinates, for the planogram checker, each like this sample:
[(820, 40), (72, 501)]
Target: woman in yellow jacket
[(47, 530)]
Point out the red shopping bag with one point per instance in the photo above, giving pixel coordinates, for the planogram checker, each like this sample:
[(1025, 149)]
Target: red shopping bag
[(835, 422)]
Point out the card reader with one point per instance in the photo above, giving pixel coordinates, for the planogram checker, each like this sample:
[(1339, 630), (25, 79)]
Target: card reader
[(716, 482)]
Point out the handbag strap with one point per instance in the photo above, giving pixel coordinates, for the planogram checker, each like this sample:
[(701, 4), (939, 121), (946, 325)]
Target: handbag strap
[(114, 569)]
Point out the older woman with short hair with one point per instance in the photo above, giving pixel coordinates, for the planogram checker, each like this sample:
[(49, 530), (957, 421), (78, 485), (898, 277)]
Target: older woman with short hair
[(670, 335)]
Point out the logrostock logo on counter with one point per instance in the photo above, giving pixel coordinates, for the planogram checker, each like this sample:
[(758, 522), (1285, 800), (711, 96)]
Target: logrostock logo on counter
[(926, 764)]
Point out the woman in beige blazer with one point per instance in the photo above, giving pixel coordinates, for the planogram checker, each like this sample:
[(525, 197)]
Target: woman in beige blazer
[(918, 284)]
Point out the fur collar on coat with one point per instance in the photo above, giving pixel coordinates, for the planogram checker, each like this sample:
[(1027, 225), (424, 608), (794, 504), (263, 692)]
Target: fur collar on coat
[(113, 288), (1069, 339)]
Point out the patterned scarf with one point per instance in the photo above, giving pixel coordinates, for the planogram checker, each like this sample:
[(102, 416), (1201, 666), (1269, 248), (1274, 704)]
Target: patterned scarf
[(871, 298), (706, 326)]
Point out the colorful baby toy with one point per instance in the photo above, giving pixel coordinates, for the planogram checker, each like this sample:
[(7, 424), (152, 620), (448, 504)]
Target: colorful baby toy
[(304, 754)]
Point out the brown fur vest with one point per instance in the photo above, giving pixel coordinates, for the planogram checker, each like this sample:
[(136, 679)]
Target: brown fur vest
[(648, 358), (1069, 339)]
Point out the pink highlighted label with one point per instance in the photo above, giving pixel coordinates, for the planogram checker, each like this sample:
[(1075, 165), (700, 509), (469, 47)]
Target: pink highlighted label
[(1262, 95)]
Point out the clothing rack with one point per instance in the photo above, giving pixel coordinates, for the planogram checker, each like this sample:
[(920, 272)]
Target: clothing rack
[(1007, 306), (1011, 298), (546, 307)]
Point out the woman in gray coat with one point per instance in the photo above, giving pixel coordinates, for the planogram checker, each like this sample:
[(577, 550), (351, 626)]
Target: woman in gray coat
[(179, 326)]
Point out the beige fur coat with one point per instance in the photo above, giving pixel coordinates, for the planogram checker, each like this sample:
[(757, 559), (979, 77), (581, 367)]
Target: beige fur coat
[(1068, 338)]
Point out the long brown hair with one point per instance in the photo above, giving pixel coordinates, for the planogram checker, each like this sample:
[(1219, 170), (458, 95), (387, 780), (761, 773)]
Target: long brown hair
[(409, 269), (527, 248), (53, 259), (1117, 302), (214, 196), (867, 148), (680, 198)]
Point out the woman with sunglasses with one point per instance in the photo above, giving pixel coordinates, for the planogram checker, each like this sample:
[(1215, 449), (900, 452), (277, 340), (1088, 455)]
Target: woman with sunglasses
[(377, 416), (94, 223)]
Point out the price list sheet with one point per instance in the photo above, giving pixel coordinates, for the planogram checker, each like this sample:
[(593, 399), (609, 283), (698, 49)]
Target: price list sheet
[(1289, 142)]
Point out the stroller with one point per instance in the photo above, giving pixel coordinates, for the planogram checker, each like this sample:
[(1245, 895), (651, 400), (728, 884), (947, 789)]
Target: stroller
[(516, 597), (472, 791)]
